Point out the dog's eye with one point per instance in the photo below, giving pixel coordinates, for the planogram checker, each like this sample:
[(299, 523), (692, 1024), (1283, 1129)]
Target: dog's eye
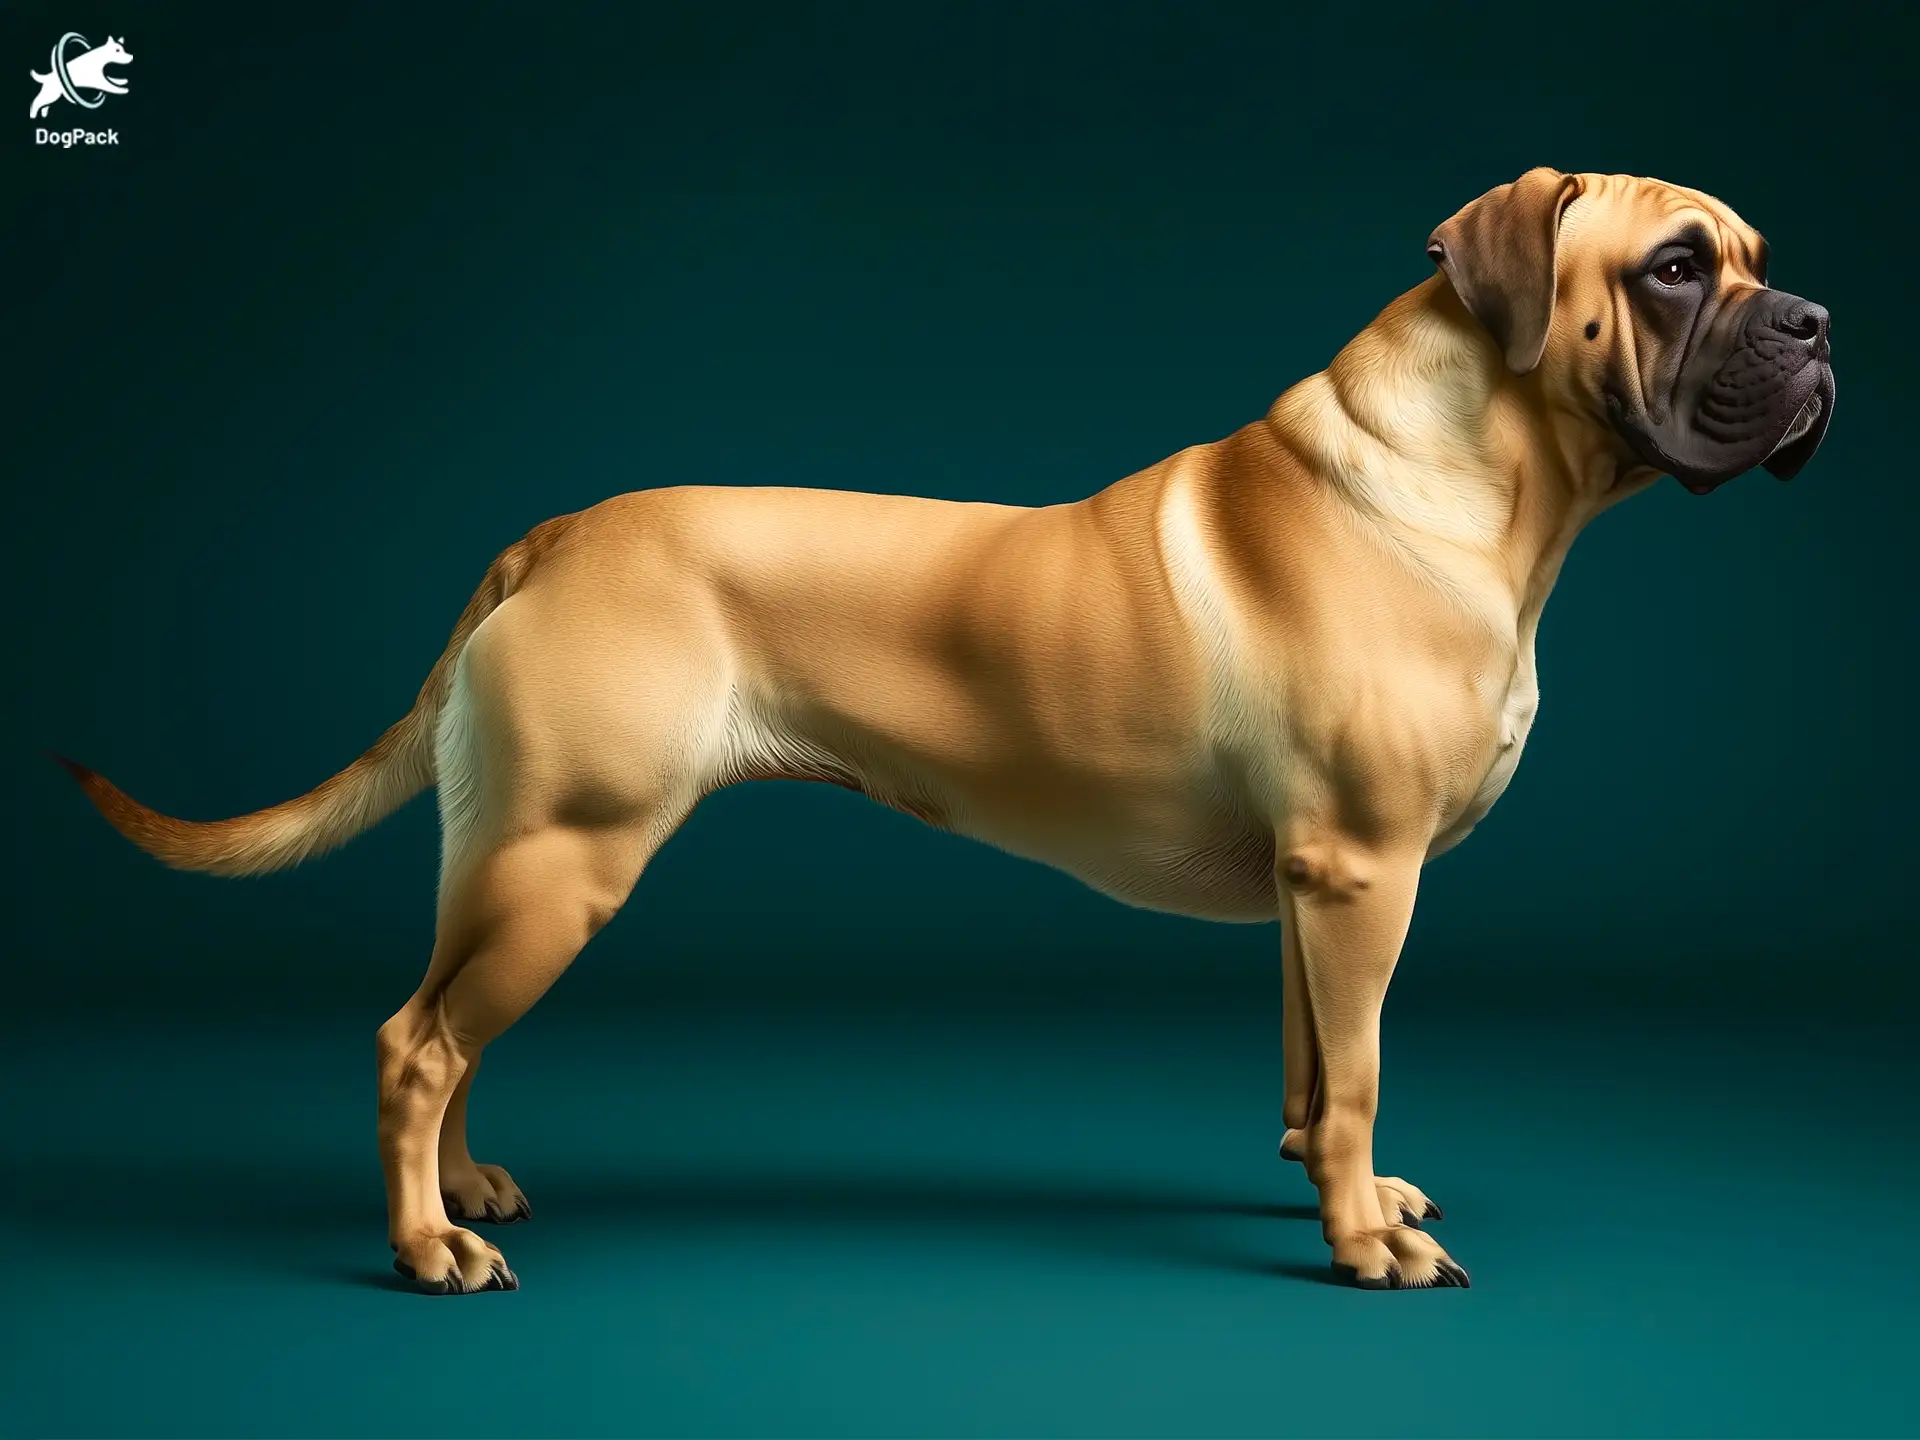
[(1673, 272)]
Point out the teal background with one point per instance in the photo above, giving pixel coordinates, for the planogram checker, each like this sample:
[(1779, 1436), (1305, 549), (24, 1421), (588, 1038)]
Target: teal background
[(845, 1126)]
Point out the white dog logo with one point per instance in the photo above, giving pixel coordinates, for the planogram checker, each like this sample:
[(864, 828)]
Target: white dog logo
[(86, 71)]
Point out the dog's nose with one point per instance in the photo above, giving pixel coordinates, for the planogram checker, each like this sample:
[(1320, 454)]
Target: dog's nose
[(1804, 321)]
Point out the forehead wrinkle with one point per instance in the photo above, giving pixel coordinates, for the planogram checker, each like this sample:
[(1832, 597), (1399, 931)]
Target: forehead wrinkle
[(1733, 230), (1735, 253), (1752, 246), (1636, 201), (1732, 247)]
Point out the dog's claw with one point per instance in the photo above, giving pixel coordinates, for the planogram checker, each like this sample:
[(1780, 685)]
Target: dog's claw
[(1434, 1212), (499, 1277), (1350, 1276), (492, 1214), (430, 1287), (1449, 1276)]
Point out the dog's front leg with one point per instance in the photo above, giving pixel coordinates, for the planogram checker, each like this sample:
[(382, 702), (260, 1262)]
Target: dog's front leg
[(1400, 1200), (1346, 908)]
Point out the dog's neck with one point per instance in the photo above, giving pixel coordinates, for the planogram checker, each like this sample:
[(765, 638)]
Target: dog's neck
[(1465, 468)]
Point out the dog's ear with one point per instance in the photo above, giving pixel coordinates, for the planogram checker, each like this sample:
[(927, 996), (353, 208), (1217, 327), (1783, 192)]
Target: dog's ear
[(1498, 252)]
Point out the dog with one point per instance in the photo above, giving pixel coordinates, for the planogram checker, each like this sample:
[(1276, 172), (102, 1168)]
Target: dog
[(1266, 678), (87, 71)]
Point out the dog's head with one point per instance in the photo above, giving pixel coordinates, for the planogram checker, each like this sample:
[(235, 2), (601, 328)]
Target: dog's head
[(1647, 305)]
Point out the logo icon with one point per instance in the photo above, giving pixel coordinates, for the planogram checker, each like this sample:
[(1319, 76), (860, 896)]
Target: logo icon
[(70, 73)]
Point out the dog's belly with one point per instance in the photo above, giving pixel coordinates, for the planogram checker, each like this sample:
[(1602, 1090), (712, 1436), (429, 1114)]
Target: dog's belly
[(1222, 872), (1215, 871), (1170, 843), (1226, 876)]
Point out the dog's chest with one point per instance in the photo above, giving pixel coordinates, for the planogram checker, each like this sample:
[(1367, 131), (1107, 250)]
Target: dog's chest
[(1515, 723)]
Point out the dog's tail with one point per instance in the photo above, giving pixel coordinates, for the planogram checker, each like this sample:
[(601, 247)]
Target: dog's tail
[(398, 767), (38, 76)]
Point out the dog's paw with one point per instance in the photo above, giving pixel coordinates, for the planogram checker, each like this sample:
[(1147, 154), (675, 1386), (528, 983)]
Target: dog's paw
[(452, 1262), (1395, 1259), (1401, 1201), (483, 1192)]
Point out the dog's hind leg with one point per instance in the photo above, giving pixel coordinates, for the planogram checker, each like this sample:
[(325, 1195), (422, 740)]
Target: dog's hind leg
[(471, 1191), (511, 922), (559, 778)]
